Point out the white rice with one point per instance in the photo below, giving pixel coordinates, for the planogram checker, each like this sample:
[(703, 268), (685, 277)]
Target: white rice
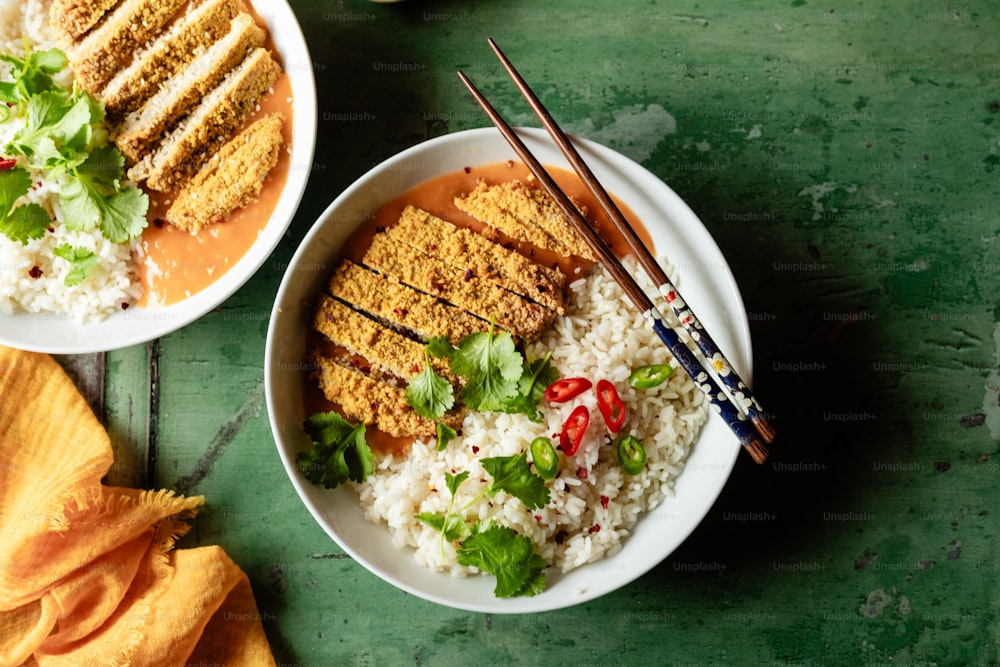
[(32, 279), (601, 336)]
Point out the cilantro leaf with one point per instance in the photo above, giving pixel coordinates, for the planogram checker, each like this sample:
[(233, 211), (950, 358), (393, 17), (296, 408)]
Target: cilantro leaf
[(339, 451), (33, 73), (429, 394), (26, 222), (91, 197), (513, 475), (64, 136), (56, 129), (451, 526), (440, 347), (81, 260), (455, 481), (510, 557), (14, 183), (492, 365), (123, 214), (445, 434), (535, 377)]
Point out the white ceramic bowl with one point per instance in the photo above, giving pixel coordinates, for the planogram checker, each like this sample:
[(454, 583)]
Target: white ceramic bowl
[(704, 279), (57, 334)]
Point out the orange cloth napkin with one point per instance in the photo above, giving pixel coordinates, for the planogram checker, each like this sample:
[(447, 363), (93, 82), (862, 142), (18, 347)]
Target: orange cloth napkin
[(88, 573)]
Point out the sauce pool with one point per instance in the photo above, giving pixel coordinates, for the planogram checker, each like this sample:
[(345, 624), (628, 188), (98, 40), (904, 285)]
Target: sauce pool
[(436, 196), (174, 264)]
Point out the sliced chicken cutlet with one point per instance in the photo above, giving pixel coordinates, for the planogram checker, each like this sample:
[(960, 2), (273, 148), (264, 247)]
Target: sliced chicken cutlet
[(141, 130), (109, 47), (525, 214), (476, 255), (390, 351), (188, 147), (232, 178), (71, 19), (401, 305), (480, 297), (189, 37), (376, 403)]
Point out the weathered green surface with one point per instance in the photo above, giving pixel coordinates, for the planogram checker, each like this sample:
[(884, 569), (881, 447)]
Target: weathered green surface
[(846, 157)]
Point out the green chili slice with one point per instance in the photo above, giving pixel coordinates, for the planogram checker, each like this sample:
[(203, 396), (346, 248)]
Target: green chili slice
[(631, 454), (647, 377), (545, 457)]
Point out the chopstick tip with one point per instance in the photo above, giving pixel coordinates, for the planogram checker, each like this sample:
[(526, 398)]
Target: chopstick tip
[(758, 451), (765, 429)]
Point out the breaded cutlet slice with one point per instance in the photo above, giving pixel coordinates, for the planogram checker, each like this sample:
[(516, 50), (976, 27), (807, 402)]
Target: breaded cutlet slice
[(71, 19), (231, 179), (479, 297), (401, 305), (109, 47), (142, 129), (477, 255), (376, 403), (526, 214), (191, 144), (186, 39), (391, 352)]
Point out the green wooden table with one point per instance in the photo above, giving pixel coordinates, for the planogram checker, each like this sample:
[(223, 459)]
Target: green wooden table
[(845, 156)]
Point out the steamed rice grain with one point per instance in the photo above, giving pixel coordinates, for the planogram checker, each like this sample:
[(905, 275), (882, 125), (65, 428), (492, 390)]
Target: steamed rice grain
[(594, 503), (32, 278)]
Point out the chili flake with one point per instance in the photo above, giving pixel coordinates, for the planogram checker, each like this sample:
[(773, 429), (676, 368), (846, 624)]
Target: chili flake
[(35, 272)]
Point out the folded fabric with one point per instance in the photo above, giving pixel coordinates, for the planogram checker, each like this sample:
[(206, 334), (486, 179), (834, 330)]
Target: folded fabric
[(88, 573)]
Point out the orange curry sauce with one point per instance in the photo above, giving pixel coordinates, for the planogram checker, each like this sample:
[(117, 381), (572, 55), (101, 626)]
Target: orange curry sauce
[(437, 196), (175, 264)]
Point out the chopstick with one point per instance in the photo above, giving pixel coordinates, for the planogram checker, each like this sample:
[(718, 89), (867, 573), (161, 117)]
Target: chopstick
[(744, 430), (724, 370)]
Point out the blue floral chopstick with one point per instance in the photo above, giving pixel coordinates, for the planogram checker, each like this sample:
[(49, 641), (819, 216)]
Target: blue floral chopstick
[(724, 371), (745, 431)]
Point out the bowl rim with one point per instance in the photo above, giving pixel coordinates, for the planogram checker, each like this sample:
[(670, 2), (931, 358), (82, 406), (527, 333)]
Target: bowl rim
[(714, 469), (35, 331)]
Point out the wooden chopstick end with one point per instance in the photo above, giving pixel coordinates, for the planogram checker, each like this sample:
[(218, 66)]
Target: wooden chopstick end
[(765, 429), (758, 451)]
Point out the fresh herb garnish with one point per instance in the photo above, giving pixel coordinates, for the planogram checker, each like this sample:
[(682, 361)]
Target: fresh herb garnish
[(445, 434), (64, 136), (513, 475), (497, 377), (92, 197), (339, 451), (494, 549), (450, 525), (509, 557), (81, 261), (492, 366), (441, 347), (535, 377), (429, 394), (26, 222), (33, 74)]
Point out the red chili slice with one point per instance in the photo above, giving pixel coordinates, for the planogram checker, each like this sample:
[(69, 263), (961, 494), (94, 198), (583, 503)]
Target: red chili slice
[(566, 389), (610, 404), (572, 431), (6, 164)]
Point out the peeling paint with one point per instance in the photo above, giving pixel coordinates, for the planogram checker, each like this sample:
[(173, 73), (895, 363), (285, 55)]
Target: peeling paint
[(819, 192), (636, 130), (876, 603)]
